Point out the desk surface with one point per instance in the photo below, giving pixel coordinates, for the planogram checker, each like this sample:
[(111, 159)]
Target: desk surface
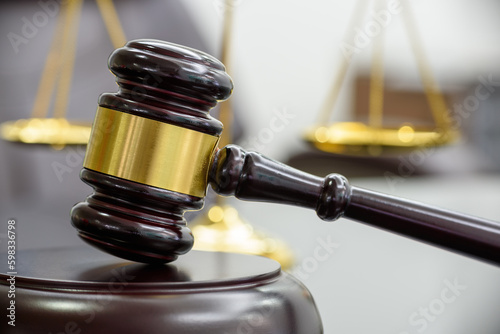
[(377, 282), (202, 292), (372, 281)]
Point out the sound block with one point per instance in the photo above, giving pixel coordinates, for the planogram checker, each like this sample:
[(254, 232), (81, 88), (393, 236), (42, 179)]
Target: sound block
[(81, 290)]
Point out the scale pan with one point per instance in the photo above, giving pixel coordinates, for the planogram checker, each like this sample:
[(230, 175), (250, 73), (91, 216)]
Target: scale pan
[(49, 131), (221, 229), (354, 138)]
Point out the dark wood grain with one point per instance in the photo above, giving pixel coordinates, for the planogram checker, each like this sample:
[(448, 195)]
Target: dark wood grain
[(81, 290), (178, 85), (251, 176), (170, 84)]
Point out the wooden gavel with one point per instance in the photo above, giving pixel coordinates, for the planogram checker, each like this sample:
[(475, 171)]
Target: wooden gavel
[(153, 151)]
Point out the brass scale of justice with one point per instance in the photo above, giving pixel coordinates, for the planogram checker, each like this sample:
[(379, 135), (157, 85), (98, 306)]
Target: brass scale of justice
[(220, 227), (136, 213), (55, 83), (373, 138)]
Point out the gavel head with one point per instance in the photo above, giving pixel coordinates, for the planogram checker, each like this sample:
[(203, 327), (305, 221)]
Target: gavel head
[(150, 150)]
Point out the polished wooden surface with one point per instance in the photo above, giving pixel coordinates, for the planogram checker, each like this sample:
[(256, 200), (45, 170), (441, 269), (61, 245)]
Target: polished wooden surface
[(134, 221), (251, 176), (88, 291), (178, 85), (167, 83)]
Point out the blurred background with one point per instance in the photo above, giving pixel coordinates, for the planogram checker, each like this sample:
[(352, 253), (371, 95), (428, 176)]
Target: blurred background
[(285, 55)]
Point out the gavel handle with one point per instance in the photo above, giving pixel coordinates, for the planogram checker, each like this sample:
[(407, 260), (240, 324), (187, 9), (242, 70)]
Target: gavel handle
[(251, 176)]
